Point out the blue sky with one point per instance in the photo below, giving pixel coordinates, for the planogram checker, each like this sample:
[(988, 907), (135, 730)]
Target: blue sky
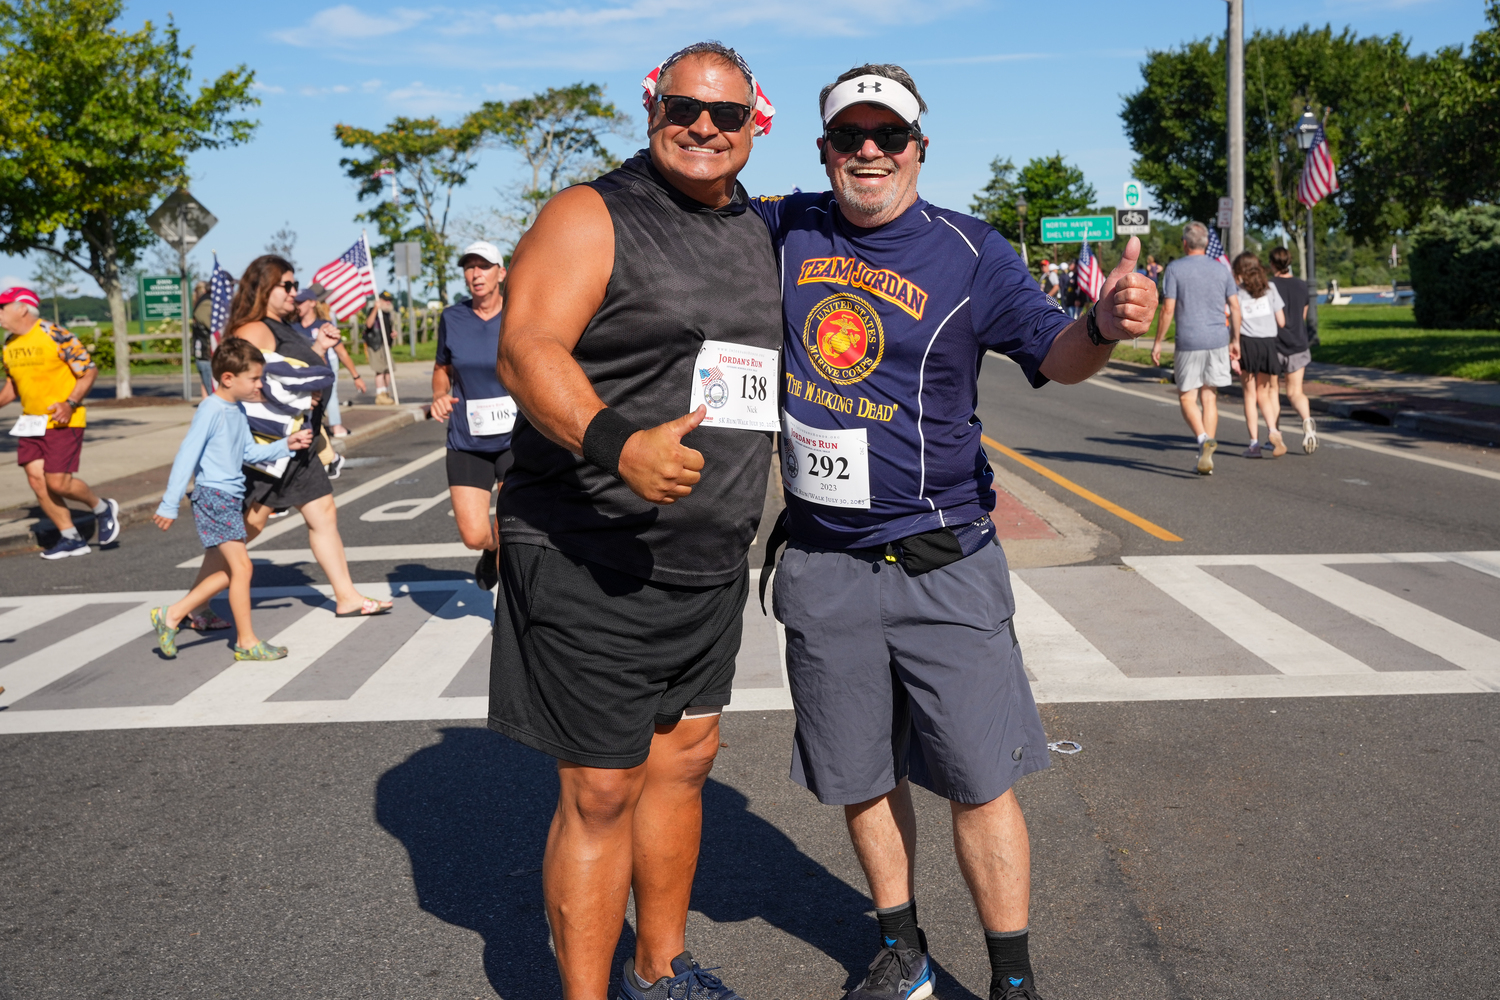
[(1002, 78)]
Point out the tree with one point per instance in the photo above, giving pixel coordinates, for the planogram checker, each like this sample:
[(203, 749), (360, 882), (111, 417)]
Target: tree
[(54, 278), (1051, 186), (559, 133), (430, 161), (95, 124)]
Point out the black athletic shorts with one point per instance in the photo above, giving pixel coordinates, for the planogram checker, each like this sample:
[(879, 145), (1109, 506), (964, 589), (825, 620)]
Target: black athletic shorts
[(588, 660), (479, 469), (1258, 356)]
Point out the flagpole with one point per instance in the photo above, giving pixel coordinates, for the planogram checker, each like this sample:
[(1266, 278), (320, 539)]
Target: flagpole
[(385, 340)]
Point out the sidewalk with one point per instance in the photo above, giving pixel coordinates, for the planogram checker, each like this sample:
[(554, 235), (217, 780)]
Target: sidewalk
[(1427, 403), (130, 444)]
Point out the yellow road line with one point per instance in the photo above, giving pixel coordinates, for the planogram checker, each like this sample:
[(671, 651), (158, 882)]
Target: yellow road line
[(1089, 495)]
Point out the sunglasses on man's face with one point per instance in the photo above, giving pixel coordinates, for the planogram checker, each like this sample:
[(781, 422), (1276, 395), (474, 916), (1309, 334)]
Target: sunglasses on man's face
[(890, 138), (727, 116)]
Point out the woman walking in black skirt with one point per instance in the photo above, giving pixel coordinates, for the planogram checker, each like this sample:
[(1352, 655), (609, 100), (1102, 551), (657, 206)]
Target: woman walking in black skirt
[(1262, 313), (296, 368)]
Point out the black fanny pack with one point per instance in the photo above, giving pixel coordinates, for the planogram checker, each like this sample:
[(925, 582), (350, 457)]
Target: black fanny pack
[(917, 554)]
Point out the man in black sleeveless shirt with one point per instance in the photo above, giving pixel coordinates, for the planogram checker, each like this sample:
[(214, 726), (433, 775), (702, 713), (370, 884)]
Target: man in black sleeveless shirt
[(628, 515)]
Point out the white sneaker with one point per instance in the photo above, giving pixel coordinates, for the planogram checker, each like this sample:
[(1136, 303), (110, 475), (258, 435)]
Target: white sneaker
[(1309, 436)]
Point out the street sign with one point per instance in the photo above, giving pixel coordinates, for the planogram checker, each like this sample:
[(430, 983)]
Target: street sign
[(1132, 221), (181, 220), (1135, 195), (1226, 209), (1078, 229), (408, 259), (161, 297)]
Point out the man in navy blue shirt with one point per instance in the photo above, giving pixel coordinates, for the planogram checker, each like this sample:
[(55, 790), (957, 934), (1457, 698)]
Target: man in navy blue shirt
[(894, 590)]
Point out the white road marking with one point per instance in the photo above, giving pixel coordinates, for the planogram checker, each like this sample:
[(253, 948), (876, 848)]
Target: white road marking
[(294, 519), (1455, 643), (1104, 382), (353, 553), (1066, 665), (1282, 644), (403, 510)]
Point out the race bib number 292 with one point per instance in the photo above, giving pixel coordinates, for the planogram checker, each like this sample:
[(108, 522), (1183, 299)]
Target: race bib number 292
[(830, 467)]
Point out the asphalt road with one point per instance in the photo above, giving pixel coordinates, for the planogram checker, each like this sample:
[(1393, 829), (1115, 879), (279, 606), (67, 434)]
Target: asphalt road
[(1138, 453), (1309, 847)]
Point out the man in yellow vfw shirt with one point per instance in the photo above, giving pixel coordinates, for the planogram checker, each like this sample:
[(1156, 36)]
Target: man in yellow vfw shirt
[(51, 372)]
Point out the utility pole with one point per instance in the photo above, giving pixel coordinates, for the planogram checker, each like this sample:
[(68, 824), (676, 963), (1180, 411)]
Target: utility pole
[(1236, 67)]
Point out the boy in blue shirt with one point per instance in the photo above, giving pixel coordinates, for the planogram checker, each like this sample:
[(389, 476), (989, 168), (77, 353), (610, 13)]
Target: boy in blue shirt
[(218, 443)]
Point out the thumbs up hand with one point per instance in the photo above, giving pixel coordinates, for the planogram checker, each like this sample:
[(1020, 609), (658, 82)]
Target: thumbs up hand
[(1128, 300), (657, 466)]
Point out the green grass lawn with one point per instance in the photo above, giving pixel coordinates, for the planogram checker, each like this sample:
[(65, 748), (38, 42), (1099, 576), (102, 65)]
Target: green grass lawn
[(1385, 337)]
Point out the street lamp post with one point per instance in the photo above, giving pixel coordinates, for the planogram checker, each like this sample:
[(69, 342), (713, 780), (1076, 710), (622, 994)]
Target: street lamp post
[(1021, 211), (1307, 131)]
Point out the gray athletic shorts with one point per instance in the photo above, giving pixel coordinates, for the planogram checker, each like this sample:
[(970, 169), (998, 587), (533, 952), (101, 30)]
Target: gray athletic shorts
[(1294, 362), (898, 676), (1194, 369)]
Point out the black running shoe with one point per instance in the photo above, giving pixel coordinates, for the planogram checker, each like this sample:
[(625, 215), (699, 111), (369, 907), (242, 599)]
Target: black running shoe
[(485, 571), (898, 973), (690, 981), (1014, 989)]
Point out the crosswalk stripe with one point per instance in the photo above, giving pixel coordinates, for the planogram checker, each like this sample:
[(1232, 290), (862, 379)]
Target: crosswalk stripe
[(72, 650), (1285, 646), (1056, 653), (306, 639), (1482, 562), (38, 611), (353, 553), (1438, 635), (425, 664)]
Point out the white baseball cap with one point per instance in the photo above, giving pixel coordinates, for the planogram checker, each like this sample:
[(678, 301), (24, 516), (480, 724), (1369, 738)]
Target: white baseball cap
[(872, 89), (481, 248)]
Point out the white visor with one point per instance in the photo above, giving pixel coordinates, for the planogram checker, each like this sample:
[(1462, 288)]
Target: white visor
[(871, 89)]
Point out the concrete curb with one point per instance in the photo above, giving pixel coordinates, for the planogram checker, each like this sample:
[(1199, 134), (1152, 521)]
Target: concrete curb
[(19, 536), (1419, 421)]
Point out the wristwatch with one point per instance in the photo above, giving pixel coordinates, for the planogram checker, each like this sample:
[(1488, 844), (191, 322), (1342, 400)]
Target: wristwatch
[(1092, 325)]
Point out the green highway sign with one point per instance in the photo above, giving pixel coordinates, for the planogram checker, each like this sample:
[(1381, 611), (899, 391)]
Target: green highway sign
[(1078, 229), (161, 297)]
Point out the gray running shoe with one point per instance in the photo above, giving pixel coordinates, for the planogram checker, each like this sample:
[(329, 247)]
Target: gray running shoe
[(1206, 456), (689, 981), (1253, 451), (1309, 436), (897, 973)]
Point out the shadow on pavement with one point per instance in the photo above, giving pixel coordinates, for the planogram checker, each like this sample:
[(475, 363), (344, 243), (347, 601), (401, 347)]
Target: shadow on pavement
[(472, 812)]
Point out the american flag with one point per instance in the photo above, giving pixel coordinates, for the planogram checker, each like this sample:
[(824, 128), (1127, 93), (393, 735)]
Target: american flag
[(1090, 278), (1319, 179), (220, 295), (349, 280), (710, 374), (1215, 248)]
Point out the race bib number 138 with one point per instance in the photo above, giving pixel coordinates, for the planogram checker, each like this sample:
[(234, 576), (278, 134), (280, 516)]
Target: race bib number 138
[(737, 384), (826, 467)]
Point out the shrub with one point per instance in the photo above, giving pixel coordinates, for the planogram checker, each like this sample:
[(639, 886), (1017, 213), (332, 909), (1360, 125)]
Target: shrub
[(1455, 268)]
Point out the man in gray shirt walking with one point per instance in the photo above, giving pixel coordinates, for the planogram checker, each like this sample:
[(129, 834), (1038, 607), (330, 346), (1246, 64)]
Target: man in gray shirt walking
[(1197, 290)]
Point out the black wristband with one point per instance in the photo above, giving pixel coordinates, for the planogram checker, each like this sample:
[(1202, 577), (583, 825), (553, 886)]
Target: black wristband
[(1092, 326), (605, 439)]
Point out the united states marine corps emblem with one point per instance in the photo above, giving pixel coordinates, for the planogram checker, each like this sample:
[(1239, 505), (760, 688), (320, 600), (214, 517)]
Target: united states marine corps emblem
[(843, 338)]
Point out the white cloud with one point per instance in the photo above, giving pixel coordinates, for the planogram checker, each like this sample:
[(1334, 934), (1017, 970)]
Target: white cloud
[(370, 86), (321, 91), (12, 280), (347, 25), (418, 98), (995, 58), (267, 88)]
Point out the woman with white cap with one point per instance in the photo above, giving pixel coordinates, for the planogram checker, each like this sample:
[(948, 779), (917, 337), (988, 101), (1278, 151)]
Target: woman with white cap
[(467, 393)]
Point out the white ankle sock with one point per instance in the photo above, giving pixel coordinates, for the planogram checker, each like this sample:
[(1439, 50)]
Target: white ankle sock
[(1202, 438), (101, 508), (641, 982), (72, 534)]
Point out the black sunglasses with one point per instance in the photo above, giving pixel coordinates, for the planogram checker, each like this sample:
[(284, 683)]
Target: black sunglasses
[(727, 116), (290, 286), (890, 138)]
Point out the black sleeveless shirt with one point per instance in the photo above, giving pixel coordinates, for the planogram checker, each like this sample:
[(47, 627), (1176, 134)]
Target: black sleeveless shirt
[(683, 273)]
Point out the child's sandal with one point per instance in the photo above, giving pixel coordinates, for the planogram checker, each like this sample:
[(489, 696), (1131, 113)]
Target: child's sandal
[(260, 651)]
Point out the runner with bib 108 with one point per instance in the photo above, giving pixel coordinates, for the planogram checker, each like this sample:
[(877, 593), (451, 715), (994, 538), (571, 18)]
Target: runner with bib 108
[(894, 590)]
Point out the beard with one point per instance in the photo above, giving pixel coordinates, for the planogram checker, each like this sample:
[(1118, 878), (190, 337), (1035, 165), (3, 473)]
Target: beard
[(863, 200)]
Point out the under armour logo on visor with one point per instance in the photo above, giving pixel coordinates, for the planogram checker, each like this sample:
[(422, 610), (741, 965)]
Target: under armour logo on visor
[(871, 86)]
